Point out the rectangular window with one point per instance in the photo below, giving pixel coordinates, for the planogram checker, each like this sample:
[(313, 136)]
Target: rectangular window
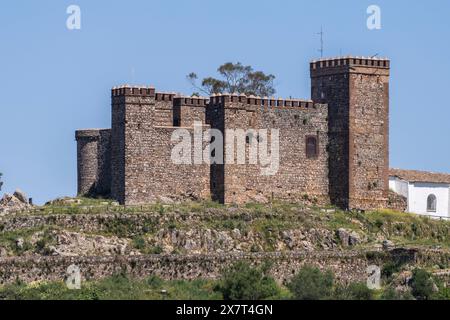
[(312, 147)]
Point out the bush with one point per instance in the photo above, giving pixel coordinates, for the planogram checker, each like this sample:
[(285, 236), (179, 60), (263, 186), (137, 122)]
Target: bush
[(422, 285), (155, 281), (389, 269), (355, 291), (139, 243), (312, 284), (392, 294), (242, 282), (443, 293)]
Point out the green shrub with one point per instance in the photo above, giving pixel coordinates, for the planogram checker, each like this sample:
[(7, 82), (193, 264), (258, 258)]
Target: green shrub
[(312, 284), (139, 243), (422, 285), (156, 250), (243, 282), (354, 291), (390, 268), (392, 294), (443, 293), (155, 282)]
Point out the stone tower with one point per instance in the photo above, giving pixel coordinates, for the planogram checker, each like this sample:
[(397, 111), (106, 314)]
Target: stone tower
[(133, 115), (142, 168), (93, 162), (357, 93)]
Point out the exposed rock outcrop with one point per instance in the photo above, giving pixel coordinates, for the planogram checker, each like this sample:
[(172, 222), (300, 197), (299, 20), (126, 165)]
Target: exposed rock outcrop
[(16, 202), (21, 196), (73, 244), (348, 238)]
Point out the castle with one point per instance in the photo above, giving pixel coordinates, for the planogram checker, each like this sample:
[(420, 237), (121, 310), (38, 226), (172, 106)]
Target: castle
[(332, 149)]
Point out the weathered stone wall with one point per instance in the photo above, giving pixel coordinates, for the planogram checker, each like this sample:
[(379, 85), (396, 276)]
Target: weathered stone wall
[(104, 151), (163, 113), (297, 176), (348, 117), (188, 110), (118, 147), (171, 180), (357, 93), (143, 123), (94, 161), (397, 202), (347, 266)]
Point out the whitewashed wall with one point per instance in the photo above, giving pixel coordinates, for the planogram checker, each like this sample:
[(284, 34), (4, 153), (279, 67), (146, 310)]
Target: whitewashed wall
[(418, 195), (399, 186)]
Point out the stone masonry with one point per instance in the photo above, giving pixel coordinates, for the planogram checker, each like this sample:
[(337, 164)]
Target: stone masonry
[(332, 149)]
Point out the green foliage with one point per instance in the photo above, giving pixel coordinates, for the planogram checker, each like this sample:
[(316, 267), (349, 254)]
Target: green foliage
[(118, 287), (239, 282), (236, 78), (392, 294), (155, 282), (312, 284), (243, 282), (354, 291), (422, 285), (443, 293), (390, 268), (156, 250), (139, 243), (1, 182), (9, 239)]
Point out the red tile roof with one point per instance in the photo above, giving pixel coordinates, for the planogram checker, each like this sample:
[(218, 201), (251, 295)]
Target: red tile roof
[(420, 176)]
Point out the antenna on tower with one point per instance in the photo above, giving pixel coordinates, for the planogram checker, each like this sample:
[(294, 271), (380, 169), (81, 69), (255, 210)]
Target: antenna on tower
[(321, 41)]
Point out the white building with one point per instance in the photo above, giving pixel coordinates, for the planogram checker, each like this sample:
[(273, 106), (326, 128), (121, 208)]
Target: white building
[(427, 193)]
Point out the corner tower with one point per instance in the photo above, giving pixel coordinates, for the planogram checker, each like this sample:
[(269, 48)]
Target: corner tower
[(93, 162), (357, 93)]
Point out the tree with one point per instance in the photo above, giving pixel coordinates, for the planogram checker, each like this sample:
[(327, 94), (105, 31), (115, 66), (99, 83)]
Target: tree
[(1, 182), (243, 282), (236, 78), (312, 284)]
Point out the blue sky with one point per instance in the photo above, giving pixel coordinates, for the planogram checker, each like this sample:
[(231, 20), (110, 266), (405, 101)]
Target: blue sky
[(53, 81)]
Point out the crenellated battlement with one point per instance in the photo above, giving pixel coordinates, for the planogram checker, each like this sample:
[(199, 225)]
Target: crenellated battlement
[(350, 62), (332, 148), (261, 101), (126, 90), (89, 133), (165, 96), (190, 101)]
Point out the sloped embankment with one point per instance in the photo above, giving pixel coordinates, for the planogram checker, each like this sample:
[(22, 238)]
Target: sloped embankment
[(197, 239)]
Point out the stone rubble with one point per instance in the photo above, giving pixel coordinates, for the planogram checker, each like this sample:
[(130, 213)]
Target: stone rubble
[(16, 202)]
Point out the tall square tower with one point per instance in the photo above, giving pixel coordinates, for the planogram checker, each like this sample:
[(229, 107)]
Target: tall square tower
[(357, 93)]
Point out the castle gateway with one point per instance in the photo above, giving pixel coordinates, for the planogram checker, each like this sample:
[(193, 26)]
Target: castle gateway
[(332, 149)]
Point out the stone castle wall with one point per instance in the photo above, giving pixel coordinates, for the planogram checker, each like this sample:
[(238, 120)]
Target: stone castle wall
[(348, 266), (346, 123), (357, 93), (94, 162), (142, 129), (297, 175)]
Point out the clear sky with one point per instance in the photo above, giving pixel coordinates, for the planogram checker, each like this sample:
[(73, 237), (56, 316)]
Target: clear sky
[(54, 80)]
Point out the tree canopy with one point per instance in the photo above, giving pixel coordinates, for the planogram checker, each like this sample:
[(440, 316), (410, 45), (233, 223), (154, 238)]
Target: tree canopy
[(235, 78)]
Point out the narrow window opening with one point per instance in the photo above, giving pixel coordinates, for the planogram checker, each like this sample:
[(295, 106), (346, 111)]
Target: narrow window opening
[(312, 150), (431, 203)]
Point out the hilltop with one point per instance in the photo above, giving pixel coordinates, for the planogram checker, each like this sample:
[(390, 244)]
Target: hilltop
[(196, 240)]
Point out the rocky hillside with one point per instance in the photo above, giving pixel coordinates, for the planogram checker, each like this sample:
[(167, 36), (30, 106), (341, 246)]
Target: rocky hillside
[(195, 239), (78, 227)]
